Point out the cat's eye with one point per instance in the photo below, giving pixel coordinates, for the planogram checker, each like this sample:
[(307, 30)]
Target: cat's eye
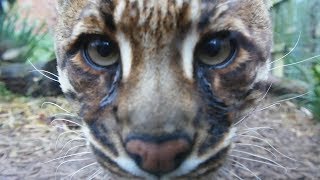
[(101, 53), (217, 51)]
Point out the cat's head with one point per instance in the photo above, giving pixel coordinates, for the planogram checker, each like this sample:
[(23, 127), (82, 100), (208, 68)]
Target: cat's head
[(159, 84)]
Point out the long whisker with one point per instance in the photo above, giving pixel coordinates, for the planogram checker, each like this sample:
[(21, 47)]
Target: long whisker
[(72, 160), (254, 130), (95, 174), (244, 167), (294, 47), (259, 161), (54, 104), (40, 71), (64, 133), (44, 71), (254, 145), (72, 149), (299, 62), (261, 157), (229, 172), (267, 142), (254, 109), (67, 120), (76, 154), (82, 169), (70, 141)]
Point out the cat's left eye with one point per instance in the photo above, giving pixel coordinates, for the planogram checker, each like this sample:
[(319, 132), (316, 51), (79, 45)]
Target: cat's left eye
[(216, 51), (101, 52)]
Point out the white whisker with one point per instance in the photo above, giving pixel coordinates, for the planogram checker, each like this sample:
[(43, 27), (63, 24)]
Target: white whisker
[(299, 62), (72, 160), (40, 71), (72, 149), (244, 167), (67, 120), (277, 105), (294, 47), (70, 141), (229, 172), (254, 145), (259, 161), (82, 169), (54, 104), (267, 142), (95, 174), (44, 71), (76, 154), (254, 109), (261, 157), (64, 133)]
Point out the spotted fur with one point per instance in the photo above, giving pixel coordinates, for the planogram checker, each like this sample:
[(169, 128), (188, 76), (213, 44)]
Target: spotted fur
[(159, 88)]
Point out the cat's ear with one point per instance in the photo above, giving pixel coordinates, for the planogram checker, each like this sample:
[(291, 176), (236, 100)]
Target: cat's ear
[(61, 5), (268, 3)]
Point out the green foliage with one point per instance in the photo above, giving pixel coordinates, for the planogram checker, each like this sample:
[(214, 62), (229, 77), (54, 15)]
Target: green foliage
[(314, 102), (18, 31), (3, 91)]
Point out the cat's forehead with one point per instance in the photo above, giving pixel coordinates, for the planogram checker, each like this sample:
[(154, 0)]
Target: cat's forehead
[(152, 16)]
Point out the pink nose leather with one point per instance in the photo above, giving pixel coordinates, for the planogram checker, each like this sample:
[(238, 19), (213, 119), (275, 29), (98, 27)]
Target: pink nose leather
[(158, 157)]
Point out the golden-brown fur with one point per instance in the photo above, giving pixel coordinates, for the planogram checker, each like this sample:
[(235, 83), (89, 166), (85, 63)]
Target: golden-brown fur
[(158, 89)]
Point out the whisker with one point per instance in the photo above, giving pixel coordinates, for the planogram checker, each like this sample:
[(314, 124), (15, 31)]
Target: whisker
[(254, 130), (294, 47), (70, 141), (254, 109), (291, 64), (277, 105), (40, 71), (72, 160), (262, 162), (254, 145), (267, 142), (44, 71), (95, 174), (230, 172), (76, 154), (261, 157), (82, 169), (64, 133), (67, 120), (54, 104), (291, 98), (242, 166), (72, 149), (65, 114)]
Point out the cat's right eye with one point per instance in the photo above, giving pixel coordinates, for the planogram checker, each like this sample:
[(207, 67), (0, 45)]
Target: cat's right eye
[(101, 52)]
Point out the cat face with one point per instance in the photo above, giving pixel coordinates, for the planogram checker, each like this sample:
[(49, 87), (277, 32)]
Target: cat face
[(159, 84)]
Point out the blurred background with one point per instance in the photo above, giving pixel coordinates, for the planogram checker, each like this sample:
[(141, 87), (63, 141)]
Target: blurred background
[(31, 102)]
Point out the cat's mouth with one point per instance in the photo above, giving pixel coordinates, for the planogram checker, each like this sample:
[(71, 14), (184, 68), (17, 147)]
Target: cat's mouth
[(172, 157)]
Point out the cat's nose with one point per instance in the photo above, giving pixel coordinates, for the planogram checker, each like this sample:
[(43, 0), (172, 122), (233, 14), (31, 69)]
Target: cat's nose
[(158, 157)]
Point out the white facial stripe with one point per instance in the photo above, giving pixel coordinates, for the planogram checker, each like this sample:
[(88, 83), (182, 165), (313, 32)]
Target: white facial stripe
[(194, 10), (193, 162), (129, 165), (187, 51), (64, 81), (119, 11), (126, 54)]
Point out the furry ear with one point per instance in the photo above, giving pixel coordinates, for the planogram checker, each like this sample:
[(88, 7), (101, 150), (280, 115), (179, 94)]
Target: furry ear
[(268, 3), (60, 4)]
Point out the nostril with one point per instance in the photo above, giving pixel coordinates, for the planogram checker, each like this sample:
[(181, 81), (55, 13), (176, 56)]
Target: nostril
[(158, 158)]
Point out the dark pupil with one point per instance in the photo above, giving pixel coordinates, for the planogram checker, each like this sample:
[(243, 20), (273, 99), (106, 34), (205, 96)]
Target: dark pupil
[(212, 48), (104, 48)]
